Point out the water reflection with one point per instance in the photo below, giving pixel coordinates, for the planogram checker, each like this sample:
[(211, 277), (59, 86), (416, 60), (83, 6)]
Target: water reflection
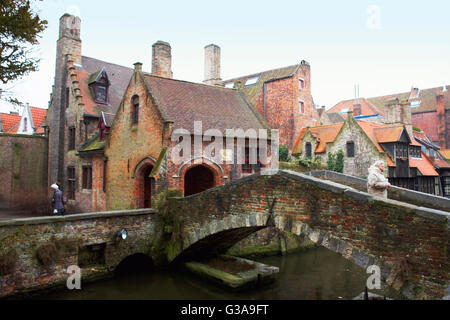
[(314, 274)]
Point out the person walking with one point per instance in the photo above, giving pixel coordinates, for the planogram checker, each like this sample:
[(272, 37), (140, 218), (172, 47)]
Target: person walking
[(57, 201), (377, 184)]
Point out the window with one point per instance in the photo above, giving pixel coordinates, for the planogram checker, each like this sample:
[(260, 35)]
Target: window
[(71, 183), (135, 110), (251, 81), (25, 124), (301, 106), (67, 97), (87, 177), (101, 94), (229, 85), (301, 84), (71, 138), (308, 150), (350, 149)]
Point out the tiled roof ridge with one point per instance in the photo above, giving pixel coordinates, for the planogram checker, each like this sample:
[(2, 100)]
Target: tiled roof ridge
[(266, 71), (189, 82)]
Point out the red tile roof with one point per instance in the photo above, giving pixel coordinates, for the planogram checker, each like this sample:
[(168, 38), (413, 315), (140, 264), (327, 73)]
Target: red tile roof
[(38, 115), (323, 134), (10, 122), (367, 107), (217, 107), (424, 165), (445, 153)]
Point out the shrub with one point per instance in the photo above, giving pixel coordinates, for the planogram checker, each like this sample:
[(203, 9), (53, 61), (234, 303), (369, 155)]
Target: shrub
[(160, 202), (283, 153), (339, 166), (331, 161)]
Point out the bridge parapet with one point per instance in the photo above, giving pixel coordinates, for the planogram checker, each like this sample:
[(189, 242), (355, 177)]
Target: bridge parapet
[(408, 242), (35, 252)]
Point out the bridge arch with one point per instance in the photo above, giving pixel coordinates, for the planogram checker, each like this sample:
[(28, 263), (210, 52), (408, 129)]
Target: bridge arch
[(134, 263)]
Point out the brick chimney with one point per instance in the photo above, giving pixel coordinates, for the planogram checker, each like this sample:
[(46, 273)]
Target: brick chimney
[(440, 111), (356, 109), (162, 59), (399, 112), (212, 65), (69, 41)]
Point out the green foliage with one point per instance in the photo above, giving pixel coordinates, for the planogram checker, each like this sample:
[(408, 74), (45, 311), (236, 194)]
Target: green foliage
[(160, 202), (339, 166), (416, 129), (331, 161), (20, 28), (309, 163), (335, 161), (283, 153)]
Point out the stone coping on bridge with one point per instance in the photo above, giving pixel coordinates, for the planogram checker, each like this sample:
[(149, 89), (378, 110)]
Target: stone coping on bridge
[(76, 217), (438, 215), (426, 199)]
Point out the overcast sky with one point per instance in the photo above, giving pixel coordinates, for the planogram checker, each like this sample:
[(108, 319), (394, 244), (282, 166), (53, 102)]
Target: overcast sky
[(385, 46)]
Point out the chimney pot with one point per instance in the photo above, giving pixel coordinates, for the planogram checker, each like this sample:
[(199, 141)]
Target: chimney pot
[(137, 66)]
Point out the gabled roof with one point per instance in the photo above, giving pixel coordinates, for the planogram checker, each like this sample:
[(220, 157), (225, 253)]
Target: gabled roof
[(10, 122), (108, 119), (323, 134), (118, 76), (38, 115), (185, 102), (367, 107), (252, 92), (335, 117)]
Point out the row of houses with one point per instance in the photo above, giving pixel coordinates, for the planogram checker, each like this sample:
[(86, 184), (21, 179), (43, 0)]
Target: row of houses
[(109, 127)]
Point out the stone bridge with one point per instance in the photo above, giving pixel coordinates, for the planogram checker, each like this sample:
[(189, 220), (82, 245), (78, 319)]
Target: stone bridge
[(408, 242)]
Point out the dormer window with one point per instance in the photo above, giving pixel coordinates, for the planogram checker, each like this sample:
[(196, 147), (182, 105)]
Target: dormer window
[(99, 83)]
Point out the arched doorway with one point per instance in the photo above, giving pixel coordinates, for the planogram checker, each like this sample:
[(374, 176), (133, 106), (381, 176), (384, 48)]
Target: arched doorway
[(145, 187), (197, 179)]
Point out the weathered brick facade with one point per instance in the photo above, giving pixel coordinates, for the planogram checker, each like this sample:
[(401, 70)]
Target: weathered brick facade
[(23, 168)]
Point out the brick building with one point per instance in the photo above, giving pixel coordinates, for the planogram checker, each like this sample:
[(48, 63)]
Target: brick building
[(282, 97), (365, 142), (109, 126), (430, 111)]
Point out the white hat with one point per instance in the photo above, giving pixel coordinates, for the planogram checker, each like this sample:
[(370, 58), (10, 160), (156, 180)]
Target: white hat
[(54, 186)]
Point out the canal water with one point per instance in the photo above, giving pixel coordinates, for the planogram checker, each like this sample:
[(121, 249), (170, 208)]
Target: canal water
[(313, 274)]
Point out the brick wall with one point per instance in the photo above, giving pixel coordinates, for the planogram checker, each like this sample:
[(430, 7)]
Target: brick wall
[(409, 243), (72, 236), (23, 168)]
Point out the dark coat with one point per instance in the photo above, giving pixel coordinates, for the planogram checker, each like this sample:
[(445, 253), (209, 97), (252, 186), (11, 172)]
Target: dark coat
[(57, 201)]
